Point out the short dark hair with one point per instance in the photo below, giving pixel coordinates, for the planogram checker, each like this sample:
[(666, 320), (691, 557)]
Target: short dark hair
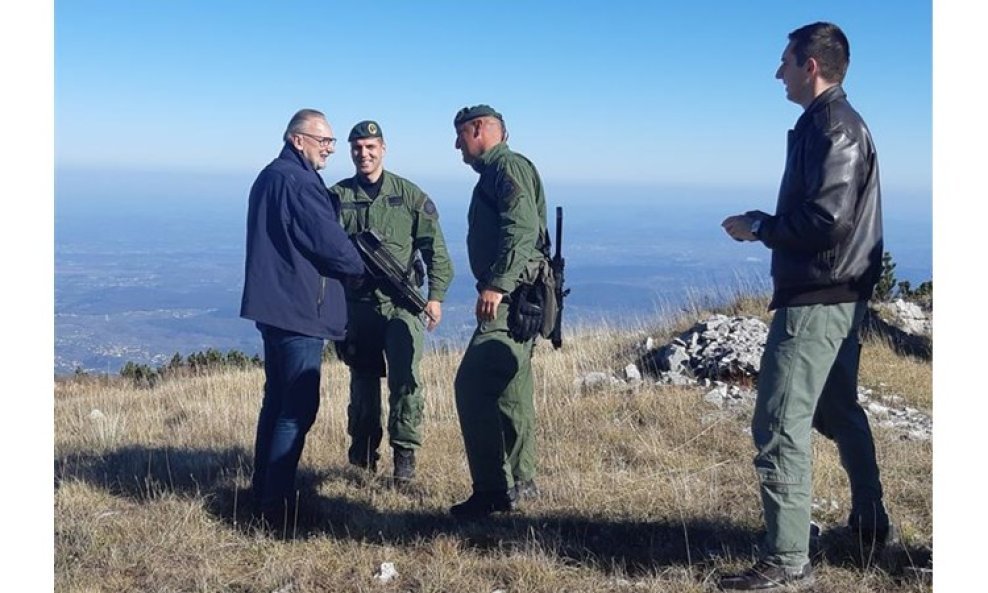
[(825, 43), (298, 121)]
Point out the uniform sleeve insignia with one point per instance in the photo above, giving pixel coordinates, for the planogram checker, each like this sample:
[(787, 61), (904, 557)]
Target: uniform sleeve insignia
[(505, 188), (429, 207)]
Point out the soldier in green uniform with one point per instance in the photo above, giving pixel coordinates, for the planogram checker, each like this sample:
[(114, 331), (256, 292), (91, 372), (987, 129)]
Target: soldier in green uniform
[(384, 338), (506, 237)]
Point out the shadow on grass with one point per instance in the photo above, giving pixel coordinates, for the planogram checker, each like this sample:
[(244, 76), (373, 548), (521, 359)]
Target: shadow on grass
[(139, 473), (607, 544), (839, 546)]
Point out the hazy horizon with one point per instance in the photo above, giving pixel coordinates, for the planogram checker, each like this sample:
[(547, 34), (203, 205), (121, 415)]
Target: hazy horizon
[(151, 264)]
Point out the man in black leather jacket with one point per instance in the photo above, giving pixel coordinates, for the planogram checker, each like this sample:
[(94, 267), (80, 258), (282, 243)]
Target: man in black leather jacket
[(826, 242)]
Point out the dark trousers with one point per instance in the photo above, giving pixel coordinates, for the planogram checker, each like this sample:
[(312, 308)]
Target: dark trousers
[(387, 341), (494, 392), (291, 399)]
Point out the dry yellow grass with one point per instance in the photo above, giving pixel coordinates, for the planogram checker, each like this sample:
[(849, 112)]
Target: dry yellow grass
[(644, 489)]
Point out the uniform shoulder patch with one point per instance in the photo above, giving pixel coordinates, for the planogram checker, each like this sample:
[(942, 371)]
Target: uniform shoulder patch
[(429, 207), (506, 188)]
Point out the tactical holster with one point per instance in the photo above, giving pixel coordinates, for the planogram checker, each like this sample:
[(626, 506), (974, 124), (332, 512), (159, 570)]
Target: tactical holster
[(533, 307)]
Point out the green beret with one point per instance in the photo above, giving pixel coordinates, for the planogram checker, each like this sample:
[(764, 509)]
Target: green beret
[(365, 129), (468, 113)]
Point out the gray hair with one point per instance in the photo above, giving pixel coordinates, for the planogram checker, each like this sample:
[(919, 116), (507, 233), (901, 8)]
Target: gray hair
[(499, 122), (301, 117)]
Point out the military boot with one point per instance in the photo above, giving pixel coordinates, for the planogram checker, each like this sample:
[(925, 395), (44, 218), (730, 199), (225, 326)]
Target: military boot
[(873, 538), (361, 455), (404, 465)]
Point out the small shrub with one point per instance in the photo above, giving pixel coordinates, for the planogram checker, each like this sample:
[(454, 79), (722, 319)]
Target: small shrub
[(886, 282), (888, 288)]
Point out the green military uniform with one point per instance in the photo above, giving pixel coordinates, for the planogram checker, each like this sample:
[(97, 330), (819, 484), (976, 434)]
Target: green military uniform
[(494, 387), (384, 338)]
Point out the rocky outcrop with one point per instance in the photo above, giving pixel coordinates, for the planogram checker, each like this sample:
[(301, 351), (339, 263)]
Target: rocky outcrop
[(717, 348), (722, 356), (907, 326), (889, 411)]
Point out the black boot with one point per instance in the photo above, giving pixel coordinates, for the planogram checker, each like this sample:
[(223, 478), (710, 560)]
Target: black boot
[(482, 504), (362, 455), (765, 575), (404, 465), (872, 538)]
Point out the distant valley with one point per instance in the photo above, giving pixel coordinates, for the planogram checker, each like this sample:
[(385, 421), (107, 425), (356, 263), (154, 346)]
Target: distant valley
[(141, 277)]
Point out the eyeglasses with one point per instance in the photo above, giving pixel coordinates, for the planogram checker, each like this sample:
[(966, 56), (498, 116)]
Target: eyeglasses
[(324, 141)]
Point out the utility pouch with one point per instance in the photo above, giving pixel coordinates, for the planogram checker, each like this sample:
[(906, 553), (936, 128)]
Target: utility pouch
[(533, 309), (546, 285), (524, 313)]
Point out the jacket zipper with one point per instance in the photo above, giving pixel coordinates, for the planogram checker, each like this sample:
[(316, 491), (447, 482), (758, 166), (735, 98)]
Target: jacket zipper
[(322, 294)]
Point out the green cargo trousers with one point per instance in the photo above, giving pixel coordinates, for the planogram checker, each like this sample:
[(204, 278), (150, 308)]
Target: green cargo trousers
[(494, 401), (386, 340), (809, 378)]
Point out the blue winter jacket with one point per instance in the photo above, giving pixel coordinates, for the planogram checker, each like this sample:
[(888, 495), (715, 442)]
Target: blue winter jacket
[(297, 252)]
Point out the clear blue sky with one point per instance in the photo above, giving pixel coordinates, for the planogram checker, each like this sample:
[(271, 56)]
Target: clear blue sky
[(678, 92)]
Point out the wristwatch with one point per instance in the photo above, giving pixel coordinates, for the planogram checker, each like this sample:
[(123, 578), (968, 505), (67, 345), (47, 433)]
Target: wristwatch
[(756, 227)]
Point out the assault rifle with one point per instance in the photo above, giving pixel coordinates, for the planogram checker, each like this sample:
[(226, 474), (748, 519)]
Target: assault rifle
[(384, 266), (557, 263)]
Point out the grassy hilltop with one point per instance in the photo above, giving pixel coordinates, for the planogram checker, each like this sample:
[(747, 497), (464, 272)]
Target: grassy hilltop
[(644, 488)]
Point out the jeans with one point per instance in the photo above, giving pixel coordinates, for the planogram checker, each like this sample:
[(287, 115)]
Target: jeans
[(291, 399)]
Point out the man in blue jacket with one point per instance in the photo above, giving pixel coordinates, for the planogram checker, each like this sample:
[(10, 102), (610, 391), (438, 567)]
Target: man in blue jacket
[(297, 255)]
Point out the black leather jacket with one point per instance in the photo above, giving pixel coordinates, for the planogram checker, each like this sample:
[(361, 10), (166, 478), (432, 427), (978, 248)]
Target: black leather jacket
[(826, 234)]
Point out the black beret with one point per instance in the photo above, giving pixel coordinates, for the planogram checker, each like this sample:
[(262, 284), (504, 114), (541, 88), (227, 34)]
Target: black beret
[(468, 113), (365, 129)]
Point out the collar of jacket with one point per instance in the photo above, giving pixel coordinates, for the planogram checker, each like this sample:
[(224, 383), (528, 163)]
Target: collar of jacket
[(489, 156), (387, 186), (290, 154), (828, 96)]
